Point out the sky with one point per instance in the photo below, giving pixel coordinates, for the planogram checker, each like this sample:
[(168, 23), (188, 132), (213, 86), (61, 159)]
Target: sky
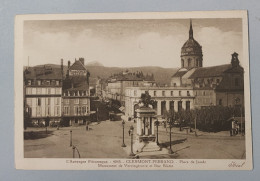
[(130, 43)]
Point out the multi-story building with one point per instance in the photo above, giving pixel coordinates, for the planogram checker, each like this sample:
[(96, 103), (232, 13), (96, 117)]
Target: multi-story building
[(117, 84), (76, 94), (217, 85), (42, 94), (166, 99)]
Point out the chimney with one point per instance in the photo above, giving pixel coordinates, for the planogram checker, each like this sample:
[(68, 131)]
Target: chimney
[(81, 60), (68, 64), (61, 64)]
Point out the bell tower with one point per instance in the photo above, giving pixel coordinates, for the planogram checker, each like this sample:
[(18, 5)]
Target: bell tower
[(191, 52)]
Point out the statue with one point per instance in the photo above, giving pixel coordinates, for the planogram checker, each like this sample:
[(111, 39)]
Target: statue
[(146, 99)]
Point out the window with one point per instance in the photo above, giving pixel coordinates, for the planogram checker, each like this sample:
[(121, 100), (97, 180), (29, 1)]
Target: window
[(29, 82), (197, 62), (57, 110), (48, 101), (57, 101), (182, 63), (48, 112), (163, 93), (57, 82), (84, 101), (39, 101), (38, 111), (179, 106), (217, 81), (29, 102), (179, 93), (187, 105), (172, 105), (66, 110), (57, 91), (236, 82), (174, 84), (204, 93), (48, 90), (188, 93), (38, 82), (220, 102), (79, 110), (189, 62), (154, 93), (76, 101), (75, 110), (38, 90), (135, 93), (48, 82), (84, 110), (66, 101), (171, 93), (28, 90)]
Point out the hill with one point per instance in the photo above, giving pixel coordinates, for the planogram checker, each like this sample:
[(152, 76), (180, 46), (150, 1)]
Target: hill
[(161, 75)]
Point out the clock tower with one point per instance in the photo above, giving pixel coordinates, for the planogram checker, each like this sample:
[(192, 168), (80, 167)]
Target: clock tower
[(191, 52)]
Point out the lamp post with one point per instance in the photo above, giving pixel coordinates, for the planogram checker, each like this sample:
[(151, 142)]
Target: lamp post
[(157, 138), (196, 124), (170, 123), (70, 138), (123, 125), (131, 130)]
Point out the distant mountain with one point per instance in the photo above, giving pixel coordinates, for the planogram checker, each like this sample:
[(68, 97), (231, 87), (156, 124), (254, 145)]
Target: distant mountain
[(94, 63), (161, 75)]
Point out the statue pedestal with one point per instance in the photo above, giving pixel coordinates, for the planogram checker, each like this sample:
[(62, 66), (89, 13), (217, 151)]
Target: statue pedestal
[(145, 140)]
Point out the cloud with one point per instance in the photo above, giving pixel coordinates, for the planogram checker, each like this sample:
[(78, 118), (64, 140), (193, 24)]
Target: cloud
[(150, 47), (218, 46)]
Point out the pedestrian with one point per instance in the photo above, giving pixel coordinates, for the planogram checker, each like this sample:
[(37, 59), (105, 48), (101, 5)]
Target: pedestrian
[(233, 128)]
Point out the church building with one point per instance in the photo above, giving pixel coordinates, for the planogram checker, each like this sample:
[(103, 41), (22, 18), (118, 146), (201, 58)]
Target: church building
[(221, 85)]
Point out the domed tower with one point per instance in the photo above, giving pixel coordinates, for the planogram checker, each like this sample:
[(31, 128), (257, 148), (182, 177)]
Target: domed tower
[(191, 52)]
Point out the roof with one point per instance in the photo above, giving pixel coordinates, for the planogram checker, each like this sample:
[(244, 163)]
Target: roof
[(128, 77), (179, 73), (43, 73), (213, 71), (75, 83), (77, 66)]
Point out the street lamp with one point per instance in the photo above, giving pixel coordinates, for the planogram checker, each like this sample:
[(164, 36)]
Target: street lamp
[(131, 130), (70, 138), (196, 124), (157, 124), (123, 125), (170, 124)]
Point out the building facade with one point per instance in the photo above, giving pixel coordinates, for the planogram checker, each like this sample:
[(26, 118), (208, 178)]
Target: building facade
[(221, 85), (118, 83), (43, 94), (166, 99), (76, 94)]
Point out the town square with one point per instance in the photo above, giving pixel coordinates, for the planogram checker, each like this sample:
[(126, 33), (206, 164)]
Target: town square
[(194, 109)]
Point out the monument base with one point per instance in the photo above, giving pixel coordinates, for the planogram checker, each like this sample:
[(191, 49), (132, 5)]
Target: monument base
[(146, 144)]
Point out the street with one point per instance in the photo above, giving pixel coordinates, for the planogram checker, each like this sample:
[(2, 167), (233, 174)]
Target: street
[(104, 140)]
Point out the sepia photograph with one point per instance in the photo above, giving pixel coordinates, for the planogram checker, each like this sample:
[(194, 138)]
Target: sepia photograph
[(129, 91)]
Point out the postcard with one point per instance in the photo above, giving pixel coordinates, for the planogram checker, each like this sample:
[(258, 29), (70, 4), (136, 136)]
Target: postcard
[(133, 91)]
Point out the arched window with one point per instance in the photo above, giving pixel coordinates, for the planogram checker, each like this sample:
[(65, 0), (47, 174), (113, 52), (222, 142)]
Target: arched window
[(220, 102), (197, 62), (189, 62), (182, 63)]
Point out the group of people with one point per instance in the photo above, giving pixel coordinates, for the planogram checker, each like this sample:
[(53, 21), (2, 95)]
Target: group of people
[(235, 128)]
